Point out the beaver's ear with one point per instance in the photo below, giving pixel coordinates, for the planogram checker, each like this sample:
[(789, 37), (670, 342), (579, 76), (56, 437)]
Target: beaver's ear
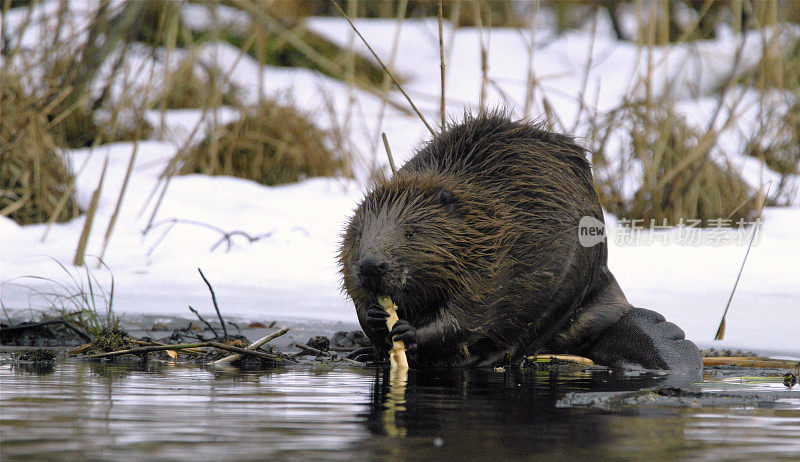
[(448, 200)]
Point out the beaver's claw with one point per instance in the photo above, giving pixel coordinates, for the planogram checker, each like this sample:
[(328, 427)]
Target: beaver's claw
[(376, 318), (404, 332)]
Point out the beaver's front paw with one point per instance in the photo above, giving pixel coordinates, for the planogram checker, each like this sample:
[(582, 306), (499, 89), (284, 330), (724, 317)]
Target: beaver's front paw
[(364, 355), (404, 332), (376, 318), (644, 339)]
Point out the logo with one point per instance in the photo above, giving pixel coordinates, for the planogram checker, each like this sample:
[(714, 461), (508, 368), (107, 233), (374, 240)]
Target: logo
[(591, 231)]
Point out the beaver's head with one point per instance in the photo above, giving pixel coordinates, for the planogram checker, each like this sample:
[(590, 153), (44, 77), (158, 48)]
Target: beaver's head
[(421, 239)]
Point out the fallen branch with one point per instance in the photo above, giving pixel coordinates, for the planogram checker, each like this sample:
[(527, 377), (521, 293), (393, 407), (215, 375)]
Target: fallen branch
[(745, 361), (185, 350), (317, 352), (183, 346), (570, 358), (227, 236), (252, 346), (245, 351), (146, 349)]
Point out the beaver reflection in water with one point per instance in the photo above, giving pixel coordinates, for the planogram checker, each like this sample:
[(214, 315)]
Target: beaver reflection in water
[(476, 239)]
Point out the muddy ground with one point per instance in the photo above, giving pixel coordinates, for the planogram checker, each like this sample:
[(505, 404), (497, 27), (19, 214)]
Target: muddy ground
[(36, 347)]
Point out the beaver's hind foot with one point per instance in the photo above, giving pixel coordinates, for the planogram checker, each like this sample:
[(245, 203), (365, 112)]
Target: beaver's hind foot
[(644, 339)]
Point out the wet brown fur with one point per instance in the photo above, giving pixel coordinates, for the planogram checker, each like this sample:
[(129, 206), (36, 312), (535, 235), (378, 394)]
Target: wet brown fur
[(479, 234)]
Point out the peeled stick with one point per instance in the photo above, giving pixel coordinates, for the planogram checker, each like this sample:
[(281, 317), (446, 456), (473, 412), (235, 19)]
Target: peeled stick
[(397, 356)]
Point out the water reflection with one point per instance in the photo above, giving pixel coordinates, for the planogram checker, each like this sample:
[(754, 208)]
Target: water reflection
[(482, 414), (163, 411)]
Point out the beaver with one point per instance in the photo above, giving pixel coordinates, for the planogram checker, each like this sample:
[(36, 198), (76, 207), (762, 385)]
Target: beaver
[(476, 239)]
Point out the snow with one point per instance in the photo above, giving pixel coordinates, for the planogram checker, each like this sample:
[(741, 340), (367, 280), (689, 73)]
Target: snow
[(293, 273), (209, 17)]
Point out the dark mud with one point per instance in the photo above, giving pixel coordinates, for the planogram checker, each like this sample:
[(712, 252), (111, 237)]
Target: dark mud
[(328, 343)]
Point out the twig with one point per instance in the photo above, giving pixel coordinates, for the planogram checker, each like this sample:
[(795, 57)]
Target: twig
[(216, 306), (227, 236), (397, 355), (290, 35), (324, 353), (484, 57), (252, 346), (203, 320), (183, 346), (586, 69), (145, 349), (389, 153), (350, 71), (530, 80), (441, 65), (245, 351), (386, 69), (387, 82), (139, 342), (721, 329)]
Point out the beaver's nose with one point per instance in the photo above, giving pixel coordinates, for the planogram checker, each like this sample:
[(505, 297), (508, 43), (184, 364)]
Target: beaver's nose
[(371, 272)]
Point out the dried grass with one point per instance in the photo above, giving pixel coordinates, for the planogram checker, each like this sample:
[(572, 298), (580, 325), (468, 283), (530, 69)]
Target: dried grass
[(271, 144), (193, 84), (780, 150), (33, 177), (677, 182), (497, 13)]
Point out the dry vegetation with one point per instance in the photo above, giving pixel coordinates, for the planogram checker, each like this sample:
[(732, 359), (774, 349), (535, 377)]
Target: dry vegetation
[(270, 144), (463, 13), (679, 179), (196, 84), (72, 103), (64, 97), (34, 180), (680, 168)]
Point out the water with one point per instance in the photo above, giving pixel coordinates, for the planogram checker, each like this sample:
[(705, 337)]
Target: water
[(85, 411)]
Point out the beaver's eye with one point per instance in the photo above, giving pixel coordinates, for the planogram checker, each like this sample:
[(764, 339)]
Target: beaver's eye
[(410, 233)]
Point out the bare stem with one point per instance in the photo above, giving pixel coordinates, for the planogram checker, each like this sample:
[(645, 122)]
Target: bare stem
[(484, 57), (203, 320), (386, 69), (214, 299), (87, 226), (721, 329), (389, 153), (113, 220), (441, 66)]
